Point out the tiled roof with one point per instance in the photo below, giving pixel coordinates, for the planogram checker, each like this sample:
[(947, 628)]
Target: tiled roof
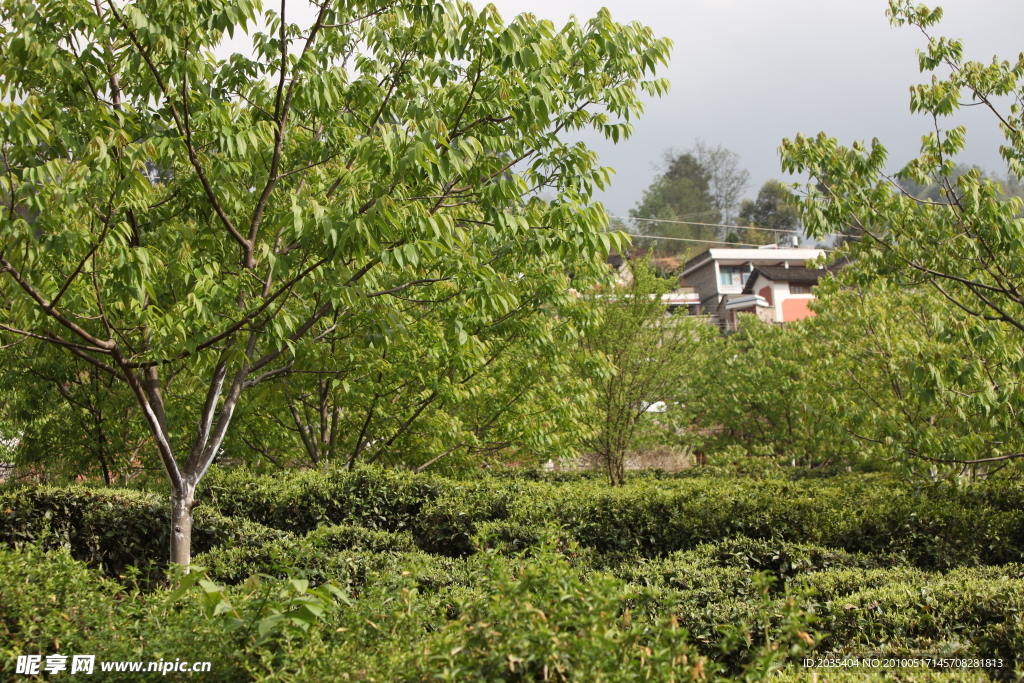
[(697, 259), (615, 260), (779, 274)]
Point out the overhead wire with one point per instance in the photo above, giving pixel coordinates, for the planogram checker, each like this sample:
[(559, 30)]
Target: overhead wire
[(766, 247), (710, 225), (687, 239)]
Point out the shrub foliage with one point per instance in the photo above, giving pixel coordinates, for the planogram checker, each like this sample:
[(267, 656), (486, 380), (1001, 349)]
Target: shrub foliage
[(378, 575)]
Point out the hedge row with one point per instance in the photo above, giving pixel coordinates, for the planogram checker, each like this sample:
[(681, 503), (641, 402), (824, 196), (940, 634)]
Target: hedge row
[(412, 615), (935, 528), (938, 527), (51, 603), (347, 554), (300, 501), (861, 604), (524, 622), (114, 528)]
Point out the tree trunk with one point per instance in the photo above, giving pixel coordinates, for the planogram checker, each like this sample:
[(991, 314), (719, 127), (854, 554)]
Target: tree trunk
[(182, 502), (616, 469)]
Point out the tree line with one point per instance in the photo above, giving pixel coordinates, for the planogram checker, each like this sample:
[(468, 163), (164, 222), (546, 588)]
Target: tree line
[(695, 202), (335, 253)]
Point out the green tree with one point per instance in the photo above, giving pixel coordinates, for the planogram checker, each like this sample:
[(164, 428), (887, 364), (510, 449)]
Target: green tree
[(762, 390), (880, 372), (69, 418), (682, 192), (968, 247), (638, 355), (768, 212), (898, 373), (696, 190), (727, 181), (425, 405), (185, 225)]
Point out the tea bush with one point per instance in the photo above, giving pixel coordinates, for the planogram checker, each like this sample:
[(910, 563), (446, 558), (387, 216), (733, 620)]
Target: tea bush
[(453, 575), (336, 538), (934, 527), (965, 613), (51, 603), (235, 565), (114, 528), (889, 612), (300, 501), (541, 621)]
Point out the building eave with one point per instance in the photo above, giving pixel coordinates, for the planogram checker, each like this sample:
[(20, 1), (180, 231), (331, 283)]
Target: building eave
[(745, 255), (747, 302)]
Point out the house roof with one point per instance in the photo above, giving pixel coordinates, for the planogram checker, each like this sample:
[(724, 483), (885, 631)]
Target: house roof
[(798, 275), (773, 255), (615, 260)]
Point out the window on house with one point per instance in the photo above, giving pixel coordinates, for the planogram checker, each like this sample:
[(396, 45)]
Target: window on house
[(733, 275), (794, 288)]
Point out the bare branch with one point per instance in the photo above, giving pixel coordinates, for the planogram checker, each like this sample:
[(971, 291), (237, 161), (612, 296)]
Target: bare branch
[(431, 462), (49, 309)]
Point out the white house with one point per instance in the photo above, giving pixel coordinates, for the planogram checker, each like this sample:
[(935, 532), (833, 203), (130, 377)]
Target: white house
[(777, 294), (720, 276)]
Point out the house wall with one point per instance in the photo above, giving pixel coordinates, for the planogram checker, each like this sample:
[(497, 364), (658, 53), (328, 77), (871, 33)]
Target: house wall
[(795, 308), (764, 313), (705, 281), (784, 307), (774, 293), (780, 293), (767, 314)]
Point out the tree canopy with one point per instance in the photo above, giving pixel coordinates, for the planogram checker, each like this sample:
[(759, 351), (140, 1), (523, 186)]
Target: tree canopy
[(964, 243), (769, 211), (190, 226), (638, 355), (697, 190)]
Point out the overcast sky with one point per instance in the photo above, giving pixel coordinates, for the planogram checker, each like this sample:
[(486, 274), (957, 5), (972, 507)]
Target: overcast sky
[(747, 73)]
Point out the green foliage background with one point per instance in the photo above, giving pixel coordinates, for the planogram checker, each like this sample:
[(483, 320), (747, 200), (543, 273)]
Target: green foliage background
[(384, 576)]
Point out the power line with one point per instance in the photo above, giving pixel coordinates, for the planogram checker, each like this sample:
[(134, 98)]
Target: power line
[(686, 239), (732, 244), (685, 215), (710, 225)]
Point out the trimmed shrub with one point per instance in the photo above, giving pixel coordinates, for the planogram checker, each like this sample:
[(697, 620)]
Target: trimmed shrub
[(446, 564), (541, 621), (447, 524), (969, 612), (835, 583), (51, 603), (113, 528), (300, 501), (936, 527), (348, 555), (939, 527), (337, 538), (234, 565)]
